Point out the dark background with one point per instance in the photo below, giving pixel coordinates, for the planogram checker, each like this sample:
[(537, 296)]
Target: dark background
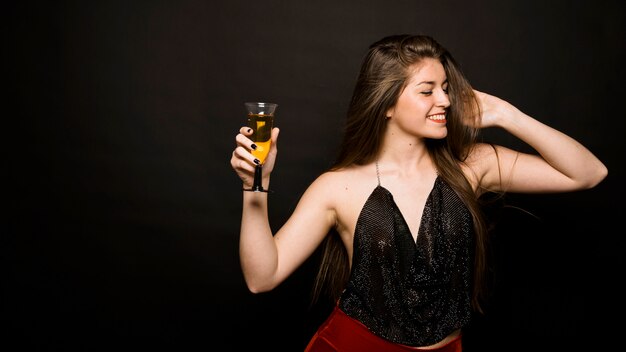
[(123, 220)]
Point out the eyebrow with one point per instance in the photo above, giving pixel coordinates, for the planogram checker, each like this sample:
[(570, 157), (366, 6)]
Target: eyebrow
[(432, 83)]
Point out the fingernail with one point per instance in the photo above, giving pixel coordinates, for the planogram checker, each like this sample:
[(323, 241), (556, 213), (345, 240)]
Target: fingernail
[(249, 130), (257, 161), (253, 146)]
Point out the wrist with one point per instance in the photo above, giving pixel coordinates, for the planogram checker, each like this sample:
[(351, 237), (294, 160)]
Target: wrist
[(508, 117)]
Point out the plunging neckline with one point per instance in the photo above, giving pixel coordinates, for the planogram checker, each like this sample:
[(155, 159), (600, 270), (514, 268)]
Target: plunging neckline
[(401, 291), (397, 208)]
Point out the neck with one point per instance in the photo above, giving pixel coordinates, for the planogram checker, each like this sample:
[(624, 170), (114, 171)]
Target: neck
[(405, 158), (402, 148)]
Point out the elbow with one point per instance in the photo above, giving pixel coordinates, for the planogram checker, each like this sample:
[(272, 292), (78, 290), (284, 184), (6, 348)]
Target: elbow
[(596, 178), (257, 288)]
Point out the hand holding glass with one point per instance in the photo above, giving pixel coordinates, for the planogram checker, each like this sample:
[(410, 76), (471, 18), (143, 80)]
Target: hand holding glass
[(261, 121)]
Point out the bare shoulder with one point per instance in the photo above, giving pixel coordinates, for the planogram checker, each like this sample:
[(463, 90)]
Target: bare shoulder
[(336, 180), (328, 181), (325, 186), (348, 182), (344, 192)]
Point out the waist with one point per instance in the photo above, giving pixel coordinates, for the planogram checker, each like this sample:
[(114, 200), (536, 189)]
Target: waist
[(425, 322), (343, 330), (450, 343)]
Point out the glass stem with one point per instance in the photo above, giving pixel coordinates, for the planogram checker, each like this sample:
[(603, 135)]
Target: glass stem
[(257, 186)]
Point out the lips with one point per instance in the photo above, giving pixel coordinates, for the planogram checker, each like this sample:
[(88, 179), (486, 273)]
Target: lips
[(439, 118)]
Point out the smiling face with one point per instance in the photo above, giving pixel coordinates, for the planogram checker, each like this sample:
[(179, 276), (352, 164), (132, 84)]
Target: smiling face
[(421, 107)]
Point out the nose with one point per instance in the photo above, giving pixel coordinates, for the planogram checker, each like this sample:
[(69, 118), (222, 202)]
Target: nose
[(442, 98)]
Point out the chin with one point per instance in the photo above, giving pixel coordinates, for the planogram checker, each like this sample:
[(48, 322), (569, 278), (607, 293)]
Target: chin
[(440, 135)]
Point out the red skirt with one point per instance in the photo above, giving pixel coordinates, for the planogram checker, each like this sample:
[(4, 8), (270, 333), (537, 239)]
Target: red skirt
[(340, 333)]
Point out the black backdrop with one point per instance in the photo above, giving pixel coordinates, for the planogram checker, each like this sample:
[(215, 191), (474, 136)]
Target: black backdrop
[(123, 219)]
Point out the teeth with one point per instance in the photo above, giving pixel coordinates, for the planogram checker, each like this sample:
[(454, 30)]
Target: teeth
[(437, 117)]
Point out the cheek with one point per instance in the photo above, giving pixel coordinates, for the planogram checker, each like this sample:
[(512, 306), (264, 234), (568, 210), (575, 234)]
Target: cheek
[(412, 105), (417, 109)]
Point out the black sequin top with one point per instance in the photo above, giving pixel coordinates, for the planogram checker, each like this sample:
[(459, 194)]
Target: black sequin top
[(412, 293)]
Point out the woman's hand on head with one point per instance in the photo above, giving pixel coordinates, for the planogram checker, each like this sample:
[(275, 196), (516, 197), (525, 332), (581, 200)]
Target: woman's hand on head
[(242, 160), (492, 109)]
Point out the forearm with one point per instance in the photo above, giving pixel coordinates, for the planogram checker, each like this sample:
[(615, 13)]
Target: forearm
[(562, 152), (257, 249)]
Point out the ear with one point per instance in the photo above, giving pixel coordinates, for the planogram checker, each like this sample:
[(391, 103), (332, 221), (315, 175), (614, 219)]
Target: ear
[(389, 113)]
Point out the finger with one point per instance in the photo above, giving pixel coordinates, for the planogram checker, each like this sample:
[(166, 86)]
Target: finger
[(245, 130), (241, 166), (235, 162), (275, 132), (242, 153), (245, 142)]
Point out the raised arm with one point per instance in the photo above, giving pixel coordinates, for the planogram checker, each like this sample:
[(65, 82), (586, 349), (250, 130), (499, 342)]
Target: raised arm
[(267, 259), (562, 163)]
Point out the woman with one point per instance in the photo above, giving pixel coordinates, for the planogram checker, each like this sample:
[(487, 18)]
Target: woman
[(399, 212)]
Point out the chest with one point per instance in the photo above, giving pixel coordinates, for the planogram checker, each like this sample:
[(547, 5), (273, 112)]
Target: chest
[(411, 201), (409, 197)]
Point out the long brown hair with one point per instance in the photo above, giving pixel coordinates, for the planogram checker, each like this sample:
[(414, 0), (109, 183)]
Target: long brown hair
[(383, 75)]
